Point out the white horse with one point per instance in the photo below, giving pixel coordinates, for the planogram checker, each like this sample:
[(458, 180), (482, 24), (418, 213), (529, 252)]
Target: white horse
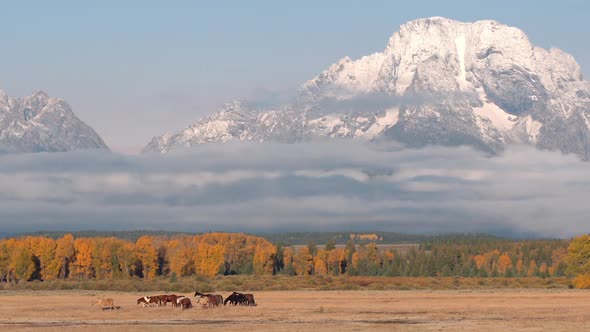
[(203, 301)]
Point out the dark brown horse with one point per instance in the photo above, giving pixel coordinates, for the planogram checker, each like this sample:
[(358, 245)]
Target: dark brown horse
[(185, 303), (236, 299)]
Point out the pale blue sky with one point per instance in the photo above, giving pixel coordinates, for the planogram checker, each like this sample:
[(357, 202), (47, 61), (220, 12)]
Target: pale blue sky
[(136, 69)]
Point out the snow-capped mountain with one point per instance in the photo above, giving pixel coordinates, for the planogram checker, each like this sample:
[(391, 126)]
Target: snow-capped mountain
[(438, 81), (40, 123)]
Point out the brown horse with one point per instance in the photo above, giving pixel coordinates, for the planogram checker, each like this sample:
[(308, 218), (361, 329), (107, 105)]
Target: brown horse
[(250, 299), (172, 298), (147, 301), (185, 303)]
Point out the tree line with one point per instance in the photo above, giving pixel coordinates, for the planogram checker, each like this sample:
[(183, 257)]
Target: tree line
[(478, 256), (210, 254), (43, 258)]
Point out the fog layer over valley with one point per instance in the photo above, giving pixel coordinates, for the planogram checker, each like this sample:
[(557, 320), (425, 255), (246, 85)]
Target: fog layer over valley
[(338, 186)]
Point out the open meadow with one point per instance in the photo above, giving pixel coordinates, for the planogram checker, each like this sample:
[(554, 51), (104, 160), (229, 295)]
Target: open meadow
[(305, 310)]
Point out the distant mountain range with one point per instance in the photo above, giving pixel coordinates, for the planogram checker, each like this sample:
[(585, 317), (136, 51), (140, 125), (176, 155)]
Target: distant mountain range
[(438, 82), (39, 123)]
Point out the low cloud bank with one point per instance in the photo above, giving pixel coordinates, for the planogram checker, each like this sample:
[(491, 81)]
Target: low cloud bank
[(342, 186)]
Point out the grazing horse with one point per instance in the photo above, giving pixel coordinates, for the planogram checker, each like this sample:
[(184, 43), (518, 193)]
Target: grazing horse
[(219, 299), (250, 299), (204, 301), (240, 299), (147, 301), (173, 298), (105, 303), (178, 299), (214, 299), (185, 303), (213, 302), (235, 299)]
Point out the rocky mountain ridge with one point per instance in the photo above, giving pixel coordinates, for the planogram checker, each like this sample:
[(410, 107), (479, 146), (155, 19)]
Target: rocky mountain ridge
[(438, 81), (39, 123)]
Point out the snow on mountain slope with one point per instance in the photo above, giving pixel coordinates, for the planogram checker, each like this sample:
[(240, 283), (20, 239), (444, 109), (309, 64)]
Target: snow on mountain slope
[(39, 123), (438, 81)]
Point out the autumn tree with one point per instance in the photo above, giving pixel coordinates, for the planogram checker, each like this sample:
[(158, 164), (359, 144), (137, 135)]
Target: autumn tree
[(22, 264), (320, 262), (147, 256), (44, 249), (336, 261), (504, 263), (578, 260), (181, 256), (303, 262), (209, 259), (64, 254), (124, 254), (82, 265), (263, 260), (532, 268)]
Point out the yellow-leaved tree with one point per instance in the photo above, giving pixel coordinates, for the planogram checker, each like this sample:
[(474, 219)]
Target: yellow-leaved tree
[(303, 262), (82, 266), (578, 261), (181, 256), (22, 264), (147, 255), (209, 259), (263, 260), (64, 254)]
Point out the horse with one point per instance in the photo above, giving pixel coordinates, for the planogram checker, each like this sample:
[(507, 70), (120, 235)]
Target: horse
[(146, 301), (178, 299), (250, 299), (172, 298), (240, 299), (214, 299), (105, 303), (235, 299), (204, 301), (185, 303)]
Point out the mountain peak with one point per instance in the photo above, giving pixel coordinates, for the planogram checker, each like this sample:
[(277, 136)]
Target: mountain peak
[(38, 123), (438, 81), (40, 95)]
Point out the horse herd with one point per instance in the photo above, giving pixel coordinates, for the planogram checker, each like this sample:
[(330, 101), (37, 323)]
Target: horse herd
[(205, 301)]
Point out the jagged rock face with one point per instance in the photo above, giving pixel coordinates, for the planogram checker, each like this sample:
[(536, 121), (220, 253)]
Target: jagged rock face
[(438, 81), (39, 123)]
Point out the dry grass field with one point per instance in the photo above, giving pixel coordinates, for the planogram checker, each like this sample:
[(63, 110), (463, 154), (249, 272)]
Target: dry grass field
[(451, 310)]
